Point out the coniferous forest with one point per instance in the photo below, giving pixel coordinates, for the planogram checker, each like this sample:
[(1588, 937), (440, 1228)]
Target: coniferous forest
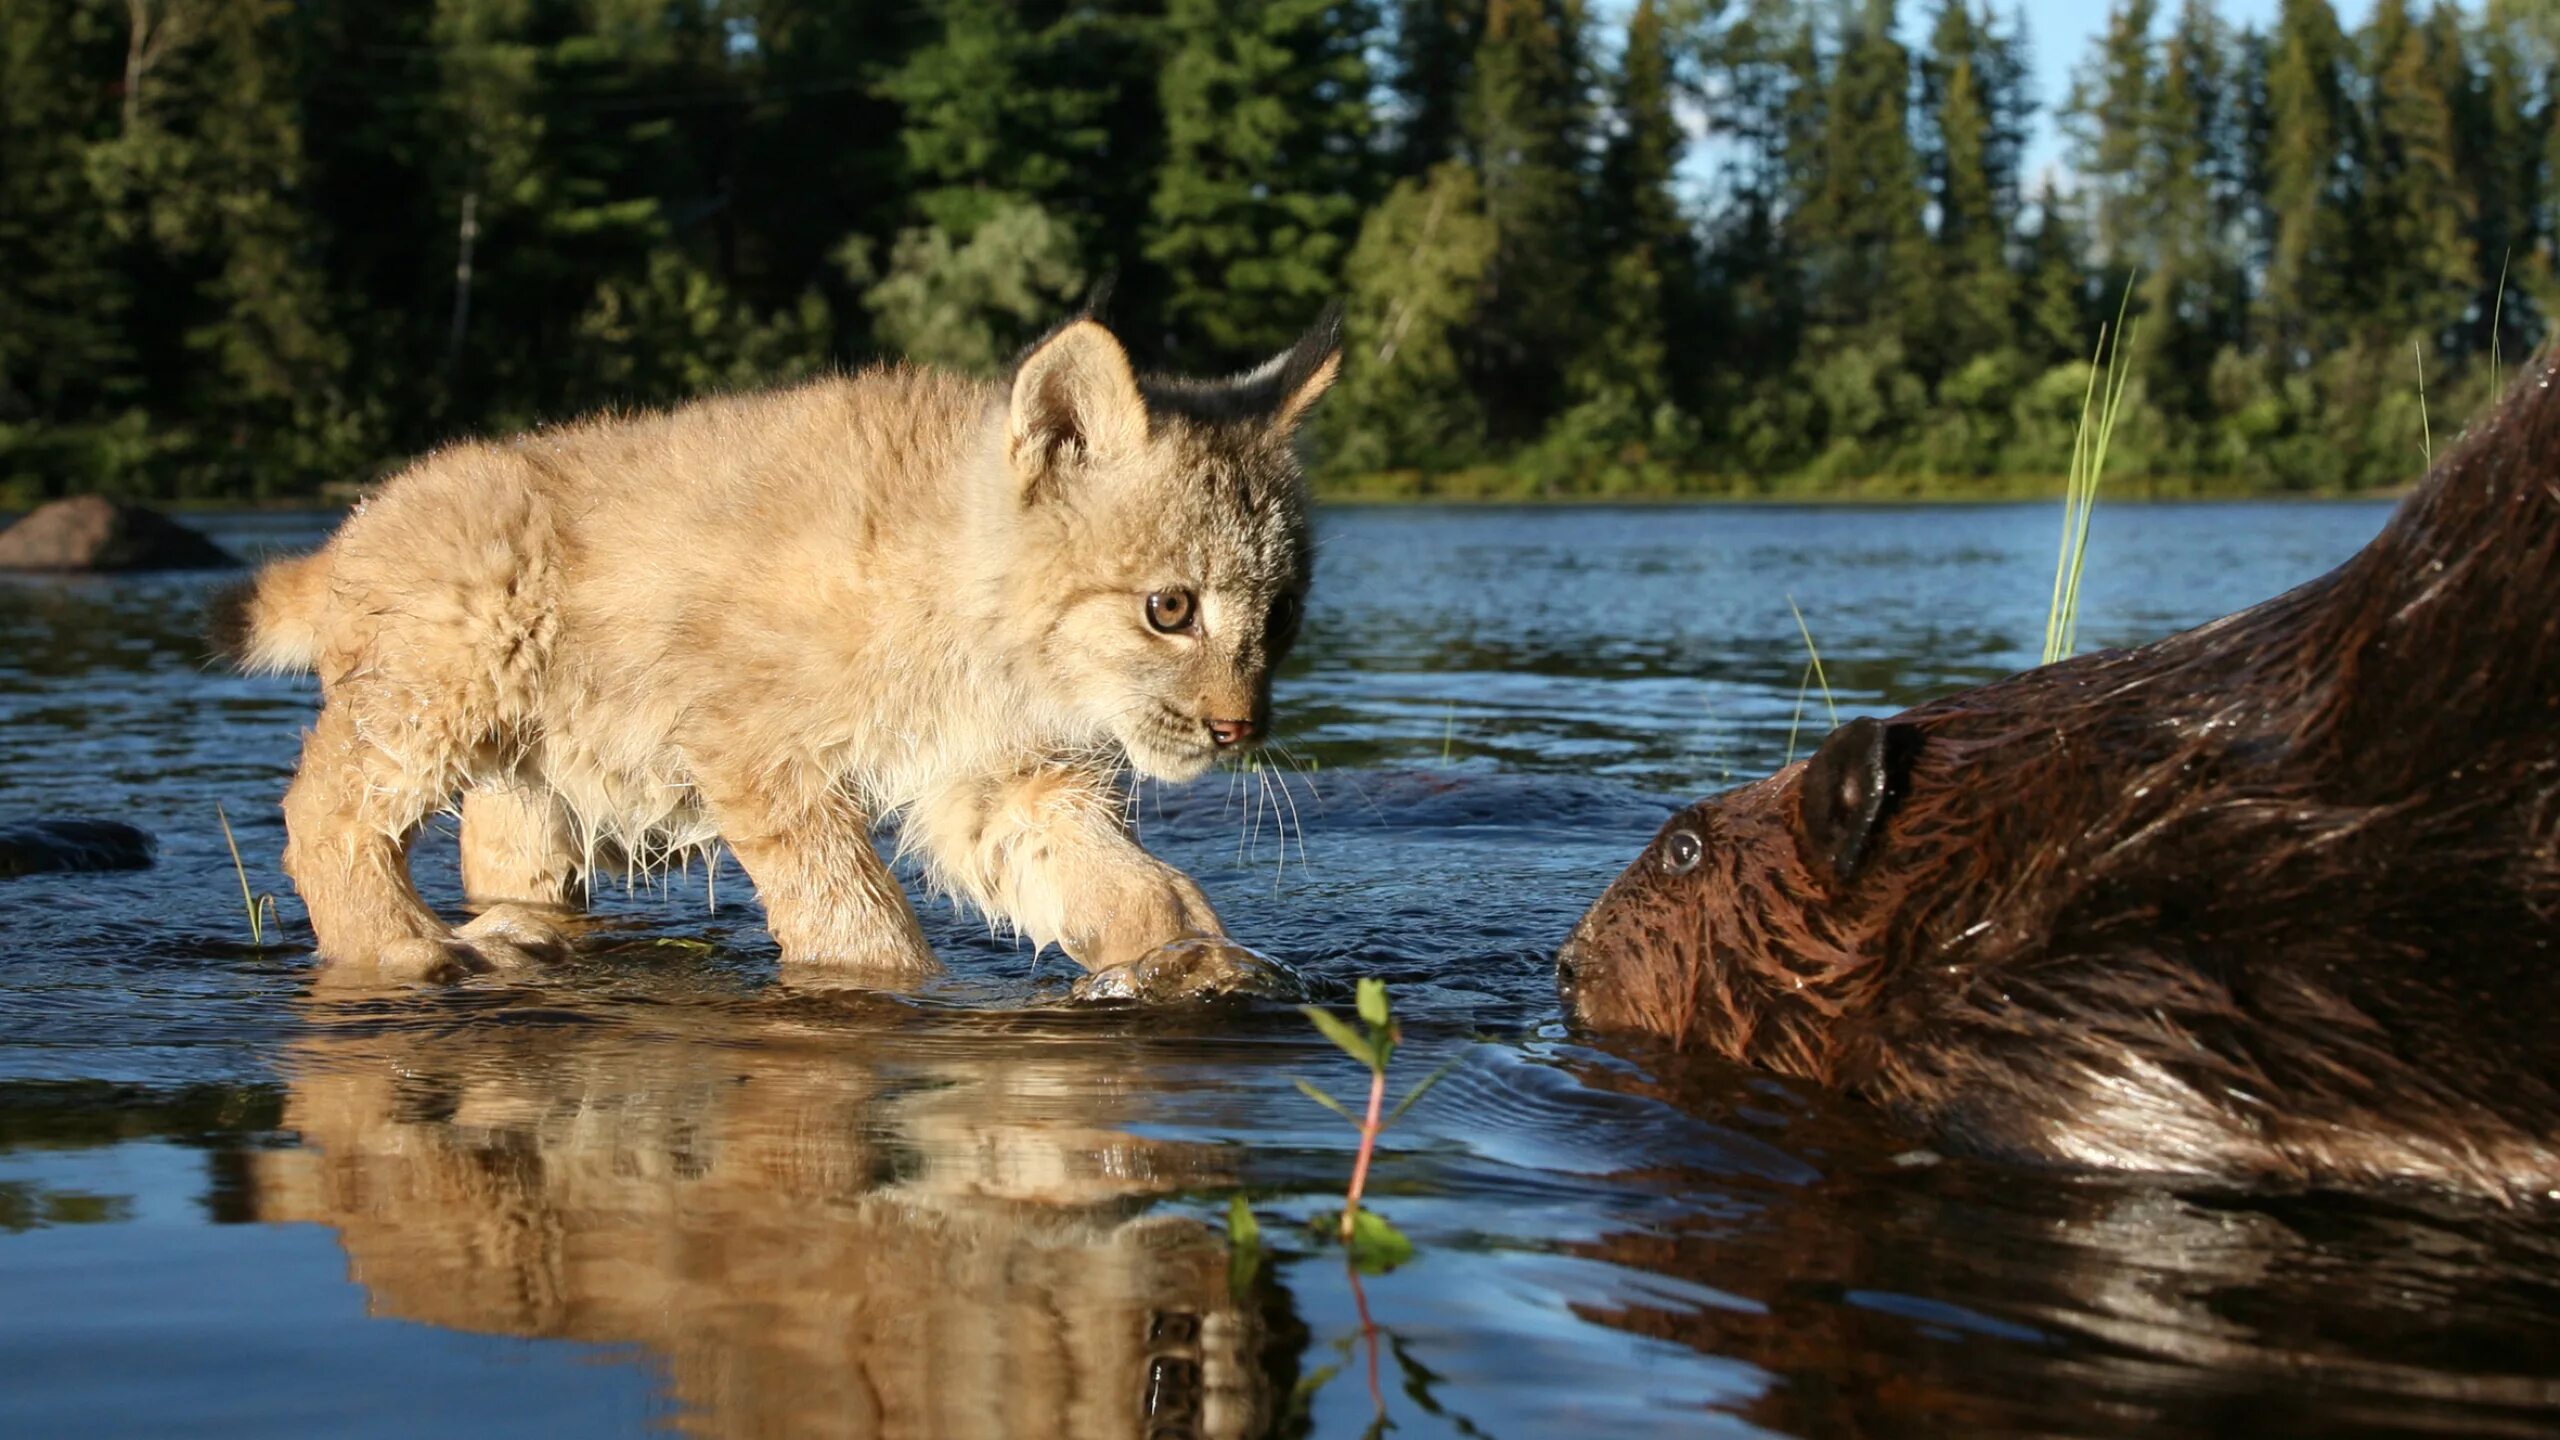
[(248, 247)]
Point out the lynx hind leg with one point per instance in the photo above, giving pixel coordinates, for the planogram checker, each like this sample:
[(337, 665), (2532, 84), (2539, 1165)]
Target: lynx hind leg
[(349, 817), (518, 846), (1050, 853)]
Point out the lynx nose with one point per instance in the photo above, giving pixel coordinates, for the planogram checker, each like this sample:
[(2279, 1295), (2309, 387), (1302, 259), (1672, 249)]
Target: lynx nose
[(1230, 732)]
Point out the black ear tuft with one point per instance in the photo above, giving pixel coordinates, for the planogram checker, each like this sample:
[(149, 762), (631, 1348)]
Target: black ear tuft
[(1098, 299), (227, 622), (1849, 787), (1308, 368)]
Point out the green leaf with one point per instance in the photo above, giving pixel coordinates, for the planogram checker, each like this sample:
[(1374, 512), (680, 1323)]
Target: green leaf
[(1356, 1045), (1323, 1099), (1373, 1003), (1377, 1246), (1244, 1248), (1417, 1092), (1302, 1395)]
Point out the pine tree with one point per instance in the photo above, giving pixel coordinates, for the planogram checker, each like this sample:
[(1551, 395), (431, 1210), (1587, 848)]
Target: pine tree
[(819, 153), (2306, 195), (2415, 216), (1434, 59), (1417, 285), (1526, 124), (61, 295), (1045, 104), (2056, 321), (1266, 119), (2190, 269), (1649, 279), (205, 173), (1975, 290), (2511, 184), (2111, 110), (1861, 222)]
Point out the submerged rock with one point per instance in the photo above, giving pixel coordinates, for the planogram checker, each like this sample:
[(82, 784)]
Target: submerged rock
[(29, 847), (90, 532), (1195, 968)]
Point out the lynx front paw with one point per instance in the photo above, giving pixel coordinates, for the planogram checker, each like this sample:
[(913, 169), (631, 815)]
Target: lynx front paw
[(1143, 915), (510, 935), (504, 937), (433, 962), (1194, 968)]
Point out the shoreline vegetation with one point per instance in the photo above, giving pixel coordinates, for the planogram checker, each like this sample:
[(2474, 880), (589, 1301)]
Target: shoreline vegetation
[(259, 249), (1494, 487), (1497, 487)]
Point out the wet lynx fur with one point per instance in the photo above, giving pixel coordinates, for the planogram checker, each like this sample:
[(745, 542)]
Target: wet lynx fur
[(773, 620)]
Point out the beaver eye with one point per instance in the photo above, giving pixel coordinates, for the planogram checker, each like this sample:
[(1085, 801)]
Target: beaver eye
[(1172, 610), (1681, 853)]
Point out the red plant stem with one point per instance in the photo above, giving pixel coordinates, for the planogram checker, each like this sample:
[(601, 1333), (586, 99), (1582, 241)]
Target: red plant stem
[(1368, 1331), (1369, 1129)]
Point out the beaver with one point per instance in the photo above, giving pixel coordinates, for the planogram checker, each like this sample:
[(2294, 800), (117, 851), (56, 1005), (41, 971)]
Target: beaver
[(2271, 901)]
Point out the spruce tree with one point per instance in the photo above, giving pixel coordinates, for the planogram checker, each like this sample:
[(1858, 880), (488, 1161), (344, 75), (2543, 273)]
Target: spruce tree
[(1974, 289), (1046, 104), (2055, 321), (1649, 264), (1527, 123), (1862, 221), (1417, 287), (1266, 120), (2306, 197), (1433, 58), (2415, 216), (2190, 271), (62, 356), (2111, 112)]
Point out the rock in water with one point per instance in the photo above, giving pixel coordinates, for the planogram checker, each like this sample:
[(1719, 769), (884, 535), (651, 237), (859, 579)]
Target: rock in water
[(90, 532), (33, 846), (1194, 968)]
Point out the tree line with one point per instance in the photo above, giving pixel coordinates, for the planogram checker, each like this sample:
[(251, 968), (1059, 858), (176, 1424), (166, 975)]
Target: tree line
[(1793, 246)]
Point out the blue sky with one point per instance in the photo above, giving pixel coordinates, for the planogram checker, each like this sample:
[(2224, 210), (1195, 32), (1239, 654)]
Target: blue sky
[(2062, 32)]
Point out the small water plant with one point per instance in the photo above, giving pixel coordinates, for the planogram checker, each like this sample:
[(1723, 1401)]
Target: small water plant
[(260, 905), (2426, 427), (2101, 405), (1366, 1233), (1812, 673)]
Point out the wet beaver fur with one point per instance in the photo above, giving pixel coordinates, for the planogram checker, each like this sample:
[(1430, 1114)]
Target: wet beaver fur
[(2271, 901)]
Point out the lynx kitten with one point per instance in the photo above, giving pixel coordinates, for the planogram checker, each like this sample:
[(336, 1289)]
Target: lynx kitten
[(772, 620)]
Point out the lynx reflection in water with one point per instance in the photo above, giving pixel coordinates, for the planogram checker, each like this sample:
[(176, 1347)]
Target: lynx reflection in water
[(944, 1243)]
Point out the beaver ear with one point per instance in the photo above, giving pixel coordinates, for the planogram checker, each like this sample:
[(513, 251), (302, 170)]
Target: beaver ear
[(1849, 786)]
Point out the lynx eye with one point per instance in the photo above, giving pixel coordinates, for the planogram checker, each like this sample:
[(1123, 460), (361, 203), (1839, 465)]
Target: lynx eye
[(1282, 627), (1681, 853), (1172, 611)]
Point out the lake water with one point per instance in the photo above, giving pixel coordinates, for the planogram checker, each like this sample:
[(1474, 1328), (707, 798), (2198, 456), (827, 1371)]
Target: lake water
[(656, 1187)]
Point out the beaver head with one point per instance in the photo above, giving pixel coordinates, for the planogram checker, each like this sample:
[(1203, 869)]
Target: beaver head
[(2277, 898), (1747, 913)]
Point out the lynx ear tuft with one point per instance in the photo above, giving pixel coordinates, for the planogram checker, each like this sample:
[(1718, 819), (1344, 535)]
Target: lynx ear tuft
[(1074, 398), (1309, 368)]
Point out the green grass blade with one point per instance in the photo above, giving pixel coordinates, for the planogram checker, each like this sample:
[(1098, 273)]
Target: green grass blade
[(2497, 318), (1824, 680), (2426, 430), (248, 901), (2089, 446)]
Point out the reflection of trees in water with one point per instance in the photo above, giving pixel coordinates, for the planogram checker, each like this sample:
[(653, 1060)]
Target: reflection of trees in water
[(811, 1234), (1959, 1298)]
